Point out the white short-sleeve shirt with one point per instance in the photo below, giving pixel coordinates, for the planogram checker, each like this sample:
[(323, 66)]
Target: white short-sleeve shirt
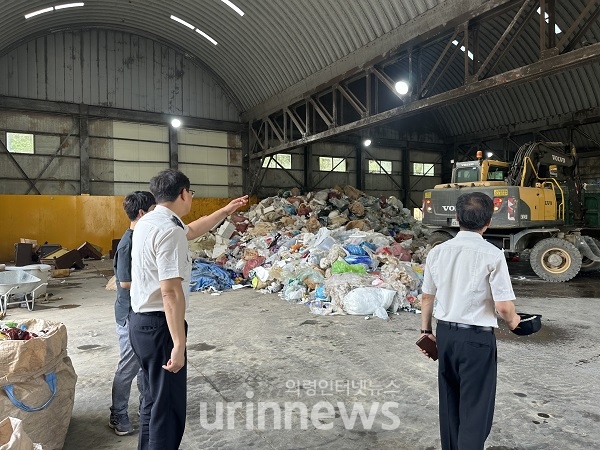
[(467, 275), (159, 252)]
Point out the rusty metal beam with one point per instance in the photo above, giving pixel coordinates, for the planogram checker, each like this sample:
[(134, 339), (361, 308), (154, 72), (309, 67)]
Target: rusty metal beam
[(586, 26), (432, 24), (438, 62), (75, 127), (327, 118), (502, 38), (276, 129), (351, 98), (256, 136), (20, 169), (387, 81), (547, 123), (513, 39), (525, 74), (389, 175), (104, 112), (333, 168), (297, 121)]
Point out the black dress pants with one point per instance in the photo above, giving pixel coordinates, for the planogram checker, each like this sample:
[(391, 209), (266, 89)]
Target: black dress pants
[(163, 411), (467, 386)]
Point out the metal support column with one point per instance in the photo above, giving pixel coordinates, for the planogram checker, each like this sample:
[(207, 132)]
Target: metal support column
[(405, 176), (360, 168), (173, 148), (308, 166), (245, 162), (84, 151)]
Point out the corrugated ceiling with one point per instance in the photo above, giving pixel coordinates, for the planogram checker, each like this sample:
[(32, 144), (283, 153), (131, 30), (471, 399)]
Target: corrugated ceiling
[(278, 44)]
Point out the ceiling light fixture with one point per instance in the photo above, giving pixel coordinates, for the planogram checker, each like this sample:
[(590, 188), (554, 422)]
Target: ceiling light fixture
[(175, 123), (202, 33), (38, 12), (183, 22), (232, 6), (52, 8), (68, 5), (367, 142), (490, 154), (401, 87), (192, 27)]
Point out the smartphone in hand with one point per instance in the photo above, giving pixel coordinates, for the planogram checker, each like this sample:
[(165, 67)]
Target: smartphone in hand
[(429, 346)]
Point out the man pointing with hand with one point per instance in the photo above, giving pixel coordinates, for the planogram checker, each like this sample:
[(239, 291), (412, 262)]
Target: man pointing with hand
[(161, 269)]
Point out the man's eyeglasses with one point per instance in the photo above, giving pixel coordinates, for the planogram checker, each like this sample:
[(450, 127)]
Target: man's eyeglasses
[(191, 191)]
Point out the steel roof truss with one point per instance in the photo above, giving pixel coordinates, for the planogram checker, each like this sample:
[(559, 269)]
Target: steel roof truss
[(325, 113), (589, 7)]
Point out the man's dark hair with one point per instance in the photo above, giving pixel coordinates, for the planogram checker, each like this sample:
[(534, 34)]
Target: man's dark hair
[(137, 200), (168, 184), (474, 211)]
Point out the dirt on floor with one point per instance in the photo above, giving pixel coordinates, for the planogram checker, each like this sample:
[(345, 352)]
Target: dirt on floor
[(267, 374)]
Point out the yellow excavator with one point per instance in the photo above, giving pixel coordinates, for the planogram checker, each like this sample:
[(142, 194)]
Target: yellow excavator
[(539, 206)]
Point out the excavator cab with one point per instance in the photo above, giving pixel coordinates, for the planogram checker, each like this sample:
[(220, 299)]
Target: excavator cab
[(480, 171)]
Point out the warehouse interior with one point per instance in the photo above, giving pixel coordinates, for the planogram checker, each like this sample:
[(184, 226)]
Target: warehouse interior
[(259, 97)]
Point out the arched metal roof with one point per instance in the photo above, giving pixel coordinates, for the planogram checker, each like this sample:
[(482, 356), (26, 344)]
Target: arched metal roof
[(560, 96), (275, 45)]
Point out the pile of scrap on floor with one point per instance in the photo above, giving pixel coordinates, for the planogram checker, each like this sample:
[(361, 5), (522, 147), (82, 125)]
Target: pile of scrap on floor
[(338, 251), (61, 260)]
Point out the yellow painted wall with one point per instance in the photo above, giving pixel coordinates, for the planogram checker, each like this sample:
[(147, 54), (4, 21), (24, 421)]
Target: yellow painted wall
[(71, 220)]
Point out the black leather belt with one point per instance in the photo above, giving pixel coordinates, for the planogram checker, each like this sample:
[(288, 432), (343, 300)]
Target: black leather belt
[(465, 326), (153, 313)]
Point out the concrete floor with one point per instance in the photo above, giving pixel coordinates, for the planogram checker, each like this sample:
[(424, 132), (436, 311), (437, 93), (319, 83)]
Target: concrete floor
[(252, 348)]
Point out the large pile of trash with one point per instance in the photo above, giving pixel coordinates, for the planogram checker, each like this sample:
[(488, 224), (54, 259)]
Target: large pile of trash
[(338, 250)]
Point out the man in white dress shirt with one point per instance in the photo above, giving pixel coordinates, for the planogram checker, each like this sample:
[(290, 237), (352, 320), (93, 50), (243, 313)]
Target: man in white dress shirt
[(161, 269), (468, 279)]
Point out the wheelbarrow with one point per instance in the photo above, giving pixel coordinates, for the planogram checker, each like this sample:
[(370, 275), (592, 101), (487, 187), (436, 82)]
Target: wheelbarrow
[(16, 282)]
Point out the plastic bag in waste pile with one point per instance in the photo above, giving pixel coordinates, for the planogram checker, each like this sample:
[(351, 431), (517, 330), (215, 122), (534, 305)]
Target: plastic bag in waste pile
[(369, 300), (205, 275), (339, 285), (310, 278), (341, 266), (293, 292), (252, 264)]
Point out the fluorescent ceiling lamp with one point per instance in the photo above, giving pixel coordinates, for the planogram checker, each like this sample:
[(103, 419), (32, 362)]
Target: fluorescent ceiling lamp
[(557, 30), (68, 5), (462, 47), (175, 123), (183, 22), (367, 142), (401, 87), (202, 33), (38, 12), (232, 6)]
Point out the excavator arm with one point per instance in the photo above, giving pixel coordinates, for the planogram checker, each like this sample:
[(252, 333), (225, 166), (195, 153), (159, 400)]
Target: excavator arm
[(532, 164)]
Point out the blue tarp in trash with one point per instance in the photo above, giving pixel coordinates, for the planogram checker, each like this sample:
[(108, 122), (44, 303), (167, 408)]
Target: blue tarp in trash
[(206, 274), (355, 250)]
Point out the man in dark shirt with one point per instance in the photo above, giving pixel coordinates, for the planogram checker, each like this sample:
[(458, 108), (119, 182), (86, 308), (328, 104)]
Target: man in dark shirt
[(136, 205)]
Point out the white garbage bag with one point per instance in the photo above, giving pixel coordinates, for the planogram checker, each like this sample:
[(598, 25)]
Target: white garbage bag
[(369, 300)]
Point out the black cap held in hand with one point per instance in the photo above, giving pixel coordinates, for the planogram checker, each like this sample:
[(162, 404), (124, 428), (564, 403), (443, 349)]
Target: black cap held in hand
[(529, 324)]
